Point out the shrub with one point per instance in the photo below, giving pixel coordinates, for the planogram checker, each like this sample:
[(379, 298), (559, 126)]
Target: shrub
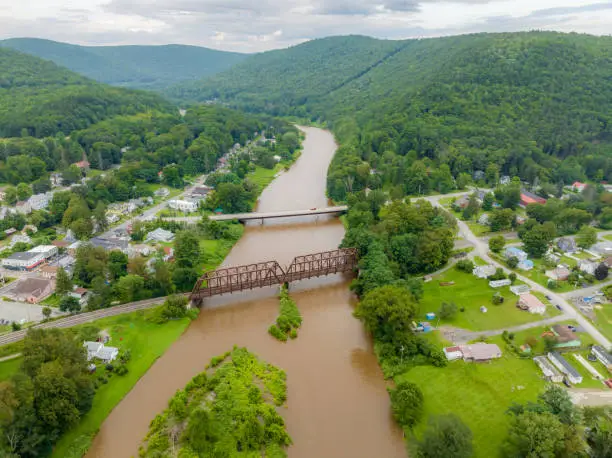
[(293, 333), (498, 299), (498, 275), (465, 265), (121, 370), (512, 277), (512, 262), (275, 332), (15, 326), (109, 367), (406, 404), (447, 310)]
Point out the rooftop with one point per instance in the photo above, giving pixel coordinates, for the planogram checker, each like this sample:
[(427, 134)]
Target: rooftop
[(31, 286), (564, 334), (23, 256), (570, 369)]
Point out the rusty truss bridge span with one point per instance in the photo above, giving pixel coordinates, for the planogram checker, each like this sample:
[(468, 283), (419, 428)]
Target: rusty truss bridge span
[(262, 274)]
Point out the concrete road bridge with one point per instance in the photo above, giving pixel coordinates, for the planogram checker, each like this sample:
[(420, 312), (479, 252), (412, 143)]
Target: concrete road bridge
[(270, 273), (280, 214)]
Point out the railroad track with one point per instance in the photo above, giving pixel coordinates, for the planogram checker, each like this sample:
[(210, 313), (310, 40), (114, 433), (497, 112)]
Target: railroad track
[(87, 317)]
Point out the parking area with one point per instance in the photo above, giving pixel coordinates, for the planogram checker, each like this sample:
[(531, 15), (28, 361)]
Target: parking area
[(22, 312)]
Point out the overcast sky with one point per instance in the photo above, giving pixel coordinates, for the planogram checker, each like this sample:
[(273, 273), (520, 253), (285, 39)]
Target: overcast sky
[(258, 25)]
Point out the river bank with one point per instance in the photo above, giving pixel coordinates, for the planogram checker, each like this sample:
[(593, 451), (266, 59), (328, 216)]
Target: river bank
[(337, 400)]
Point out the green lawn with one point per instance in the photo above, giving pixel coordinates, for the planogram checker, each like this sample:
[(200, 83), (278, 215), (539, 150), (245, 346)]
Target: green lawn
[(537, 275), (479, 394), (262, 177), (582, 255), (471, 292), (608, 237), (52, 301), (147, 342), (9, 368), (479, 261), (446, 201), (478, 230), (604, 319), (213, 252)]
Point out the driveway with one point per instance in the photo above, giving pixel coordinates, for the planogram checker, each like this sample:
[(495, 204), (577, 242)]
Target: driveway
[(586, 397)]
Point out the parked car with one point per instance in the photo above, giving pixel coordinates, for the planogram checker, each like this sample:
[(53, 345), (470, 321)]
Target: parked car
[(548, 297), (566, 383), (559, 307), (571, 328)]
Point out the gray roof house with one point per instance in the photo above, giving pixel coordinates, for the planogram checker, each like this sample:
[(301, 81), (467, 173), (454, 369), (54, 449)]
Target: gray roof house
[(159, 235), (567, 244), (561, 363)]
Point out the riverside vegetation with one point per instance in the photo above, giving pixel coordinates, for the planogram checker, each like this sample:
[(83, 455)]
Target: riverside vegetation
[(227, 410), (289, 318)]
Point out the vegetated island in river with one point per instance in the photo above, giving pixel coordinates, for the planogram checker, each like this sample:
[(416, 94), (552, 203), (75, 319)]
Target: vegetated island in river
[(227, 410), (289, 318)]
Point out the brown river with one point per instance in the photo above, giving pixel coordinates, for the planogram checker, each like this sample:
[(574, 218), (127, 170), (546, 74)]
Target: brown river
[(337, 400)]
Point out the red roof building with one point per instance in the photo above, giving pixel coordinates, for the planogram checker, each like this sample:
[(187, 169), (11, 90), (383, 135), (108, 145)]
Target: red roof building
[(578, 186), (82, 164), (530, 198)]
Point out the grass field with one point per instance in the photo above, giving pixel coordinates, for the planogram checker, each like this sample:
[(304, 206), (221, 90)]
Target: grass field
[(9, 368), (479, 394), (51, 301), (147, 342), (471, 292), (478, 230), (604, 320)]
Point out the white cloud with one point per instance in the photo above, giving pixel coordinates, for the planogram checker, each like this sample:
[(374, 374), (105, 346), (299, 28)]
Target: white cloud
[(244, 25)]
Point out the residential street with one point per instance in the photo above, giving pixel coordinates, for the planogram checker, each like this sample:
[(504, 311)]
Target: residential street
[(481, 249)]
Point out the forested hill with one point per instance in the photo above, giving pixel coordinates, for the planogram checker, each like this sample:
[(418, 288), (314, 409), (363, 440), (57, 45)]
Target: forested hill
[(144, 67), (39, 98), (284, 80), (530, 103)]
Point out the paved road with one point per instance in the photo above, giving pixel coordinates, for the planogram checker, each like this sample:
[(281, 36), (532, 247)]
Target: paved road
[(74, 320), (462, 336), (481, 249), (586, 291), (587, 397)]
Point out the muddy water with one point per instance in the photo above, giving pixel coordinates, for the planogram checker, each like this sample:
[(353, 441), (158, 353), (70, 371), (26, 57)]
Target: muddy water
[(337, 401)]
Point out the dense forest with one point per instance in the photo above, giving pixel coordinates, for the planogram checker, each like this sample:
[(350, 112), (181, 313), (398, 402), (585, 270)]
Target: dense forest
[(138, 67), (534, 105), (39, 98)]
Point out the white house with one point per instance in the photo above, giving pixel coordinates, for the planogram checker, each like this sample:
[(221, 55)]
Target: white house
[(82, 294), (159, 235), (588, 267), (514, 252), (162, 192), (561, 363), (499, 283), (484, 271), (23, 207), (603, 356), (550, 372), (520, 289), (453, 353), (99, 351), (40, 201), (187, 206)]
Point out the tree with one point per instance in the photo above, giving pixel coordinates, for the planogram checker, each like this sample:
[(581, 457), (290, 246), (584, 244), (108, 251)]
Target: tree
[(387, 312), (601, 272), (497, 243), (10, 195), (488, 201), (446, 436), (500, 220), (533, 434), (69, 304), (465, 265), (63, 283), (512, 262), (472, 208), (117, 264), (406, 404), (536, 240), (186, 249), (24, 192), (448, 310), (512, 277), (129, 288), (46, 311), (587, 237)]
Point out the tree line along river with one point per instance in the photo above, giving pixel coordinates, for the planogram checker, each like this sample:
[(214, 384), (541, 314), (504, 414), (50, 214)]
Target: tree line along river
[(337, 401)]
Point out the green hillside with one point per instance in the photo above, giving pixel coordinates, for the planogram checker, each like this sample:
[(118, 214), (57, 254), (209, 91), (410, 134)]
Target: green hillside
[(144, 67), (284, 80), (39, 98), (532, 104)]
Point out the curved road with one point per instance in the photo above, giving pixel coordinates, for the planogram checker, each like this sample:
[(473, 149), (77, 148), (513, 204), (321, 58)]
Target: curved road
[(481, 249)]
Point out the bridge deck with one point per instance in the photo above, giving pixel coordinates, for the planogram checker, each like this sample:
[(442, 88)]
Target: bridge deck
[(279, 214)]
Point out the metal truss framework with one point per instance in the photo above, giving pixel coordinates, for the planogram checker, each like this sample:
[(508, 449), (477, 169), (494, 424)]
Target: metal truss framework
[(270, 273)]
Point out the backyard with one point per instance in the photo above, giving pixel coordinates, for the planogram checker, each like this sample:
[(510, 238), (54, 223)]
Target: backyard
[(479, 394), (470, 293), (604, 319)]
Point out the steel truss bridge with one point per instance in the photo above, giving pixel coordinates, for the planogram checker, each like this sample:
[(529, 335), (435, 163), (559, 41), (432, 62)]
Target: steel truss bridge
[(270, 273)]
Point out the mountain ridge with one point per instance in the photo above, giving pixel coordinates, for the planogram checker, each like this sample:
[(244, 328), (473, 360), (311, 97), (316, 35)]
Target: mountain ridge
[(133, 66)]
